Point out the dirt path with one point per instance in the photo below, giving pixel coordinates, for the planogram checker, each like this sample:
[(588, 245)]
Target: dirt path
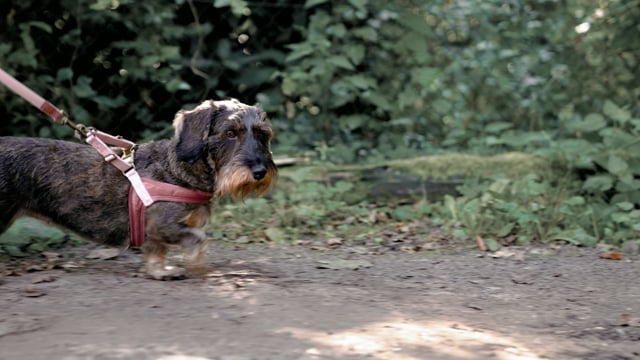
[(268, 302)]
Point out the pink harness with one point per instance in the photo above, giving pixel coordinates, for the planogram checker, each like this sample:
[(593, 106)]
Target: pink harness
[(143, 191), (159, 191)]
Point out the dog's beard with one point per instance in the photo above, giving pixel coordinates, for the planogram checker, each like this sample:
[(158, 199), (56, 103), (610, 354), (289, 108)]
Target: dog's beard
[(238, 182)]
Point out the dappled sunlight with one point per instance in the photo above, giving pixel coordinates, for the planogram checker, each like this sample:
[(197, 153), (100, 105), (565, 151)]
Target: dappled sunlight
[(586, 26), (407, 340), (233, 287), (582, 28)]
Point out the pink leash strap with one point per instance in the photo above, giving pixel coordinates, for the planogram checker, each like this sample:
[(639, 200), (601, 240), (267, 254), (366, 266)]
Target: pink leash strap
[(159, 191), (29, 95)]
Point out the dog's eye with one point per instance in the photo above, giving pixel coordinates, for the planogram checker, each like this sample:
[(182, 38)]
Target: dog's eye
[(230, 134)]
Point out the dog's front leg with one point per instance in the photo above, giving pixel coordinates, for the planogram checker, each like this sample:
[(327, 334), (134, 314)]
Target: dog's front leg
[(194, 246), (155, 254), (194, 240)]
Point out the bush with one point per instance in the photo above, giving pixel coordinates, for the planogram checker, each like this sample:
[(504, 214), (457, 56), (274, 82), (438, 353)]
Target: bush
[(377, 80), (127, 66), (364, 80)]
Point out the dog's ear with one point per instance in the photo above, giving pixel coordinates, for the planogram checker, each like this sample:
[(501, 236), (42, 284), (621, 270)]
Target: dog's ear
[(192, 129)]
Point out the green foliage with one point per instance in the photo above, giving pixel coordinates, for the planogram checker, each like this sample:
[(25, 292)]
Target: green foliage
[(391, 79), (551, 78), (521, 211), (127, 66), (306, 206), (360, 76), (302, 208), (604, 148), (596, 201), (28, 236), (366, 81)]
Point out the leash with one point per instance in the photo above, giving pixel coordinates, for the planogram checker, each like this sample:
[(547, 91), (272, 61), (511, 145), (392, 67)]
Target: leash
[(57, 115), (139, 193)]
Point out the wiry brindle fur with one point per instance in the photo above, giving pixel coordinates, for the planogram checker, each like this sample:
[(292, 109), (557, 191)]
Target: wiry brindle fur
[(221, 147)]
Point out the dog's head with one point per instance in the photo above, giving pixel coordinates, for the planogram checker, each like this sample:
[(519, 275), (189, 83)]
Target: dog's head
[(234, 139)]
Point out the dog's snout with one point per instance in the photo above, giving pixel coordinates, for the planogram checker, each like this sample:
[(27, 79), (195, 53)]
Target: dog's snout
[(258, 171)]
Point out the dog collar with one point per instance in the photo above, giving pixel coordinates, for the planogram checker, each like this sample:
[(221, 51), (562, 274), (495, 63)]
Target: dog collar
[(158, 191)]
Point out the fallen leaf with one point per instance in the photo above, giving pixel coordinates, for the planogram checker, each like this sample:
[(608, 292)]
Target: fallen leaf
[(347, 221), (68, 266), (503, 253), (409, 248), (14, 272), (343, 264), (243, 240), (612, 255), (50, 255), (516, 254), (44, 279), (104, 254), (541, 252), (34, 268), (524, 280), (359, 250), (33, 292), (429, 246), (334, 241), (481, 245)]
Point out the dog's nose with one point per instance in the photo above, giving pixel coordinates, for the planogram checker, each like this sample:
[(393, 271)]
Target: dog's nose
[(258, 172)]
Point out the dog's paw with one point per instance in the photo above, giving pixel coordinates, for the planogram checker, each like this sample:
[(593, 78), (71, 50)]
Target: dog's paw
[(168, 273)]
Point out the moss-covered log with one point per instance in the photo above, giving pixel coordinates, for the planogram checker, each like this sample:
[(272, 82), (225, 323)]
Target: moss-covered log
[(429, 177)]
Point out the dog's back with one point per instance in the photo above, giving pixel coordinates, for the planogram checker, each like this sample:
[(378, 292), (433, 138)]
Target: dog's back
[(64, 181)]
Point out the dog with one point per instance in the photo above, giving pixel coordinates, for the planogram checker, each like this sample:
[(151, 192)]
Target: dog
[(220, 147)]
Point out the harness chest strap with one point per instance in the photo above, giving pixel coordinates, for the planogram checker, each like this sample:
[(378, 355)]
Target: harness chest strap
[(143, 191), (159, 191)]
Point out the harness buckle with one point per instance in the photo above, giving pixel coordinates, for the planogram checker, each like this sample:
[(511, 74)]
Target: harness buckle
[(138, 186)]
